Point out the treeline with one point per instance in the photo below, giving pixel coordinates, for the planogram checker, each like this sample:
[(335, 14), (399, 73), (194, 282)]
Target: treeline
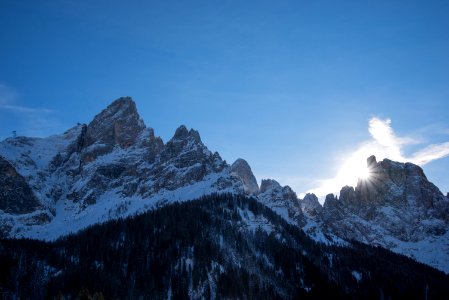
[(207, 248)]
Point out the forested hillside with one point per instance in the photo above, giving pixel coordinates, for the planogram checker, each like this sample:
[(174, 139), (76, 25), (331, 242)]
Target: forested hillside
[(219, 246)]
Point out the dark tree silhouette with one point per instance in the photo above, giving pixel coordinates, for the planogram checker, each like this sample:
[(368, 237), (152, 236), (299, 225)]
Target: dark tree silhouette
[(207, 248)]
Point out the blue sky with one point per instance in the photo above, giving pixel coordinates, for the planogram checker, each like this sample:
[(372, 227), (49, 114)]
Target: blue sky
[(291, 86)]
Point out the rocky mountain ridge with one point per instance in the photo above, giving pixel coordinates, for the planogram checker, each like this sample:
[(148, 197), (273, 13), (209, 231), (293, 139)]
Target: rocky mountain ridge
[(116, 166), (112, 167), (396, 207)]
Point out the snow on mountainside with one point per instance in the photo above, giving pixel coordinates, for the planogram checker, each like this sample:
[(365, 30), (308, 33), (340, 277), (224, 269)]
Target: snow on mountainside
[(113, 167), (116, 167), (396, 208), (282, 200)]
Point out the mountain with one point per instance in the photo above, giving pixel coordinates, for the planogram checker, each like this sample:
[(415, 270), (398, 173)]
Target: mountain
[(116, 167), (112, 167), (216, 247), (396, 207)]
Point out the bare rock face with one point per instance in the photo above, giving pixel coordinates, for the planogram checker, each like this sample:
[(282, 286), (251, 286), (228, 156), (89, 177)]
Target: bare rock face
[(184, 148), (332, 208), (98, 171), (184, 161), (16, 196), (396, 199), (282, 199), (118, 124), (114, 152), (371, 161), (402, 186), (145, 167), (270, 186), (397, 208), (242, 170), (310, 205)]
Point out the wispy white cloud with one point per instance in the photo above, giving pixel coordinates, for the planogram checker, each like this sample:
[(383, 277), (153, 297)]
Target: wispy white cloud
[(7, 94), (384, 143), (26, 110), (383, 135), (31, 121), (429, 153)]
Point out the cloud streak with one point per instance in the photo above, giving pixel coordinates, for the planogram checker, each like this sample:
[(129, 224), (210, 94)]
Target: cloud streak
[(31, 121), (430, 153), (383, 134), (384, 143), (26, 110)]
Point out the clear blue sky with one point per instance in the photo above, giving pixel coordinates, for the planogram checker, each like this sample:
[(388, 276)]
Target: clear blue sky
[(288, 85)]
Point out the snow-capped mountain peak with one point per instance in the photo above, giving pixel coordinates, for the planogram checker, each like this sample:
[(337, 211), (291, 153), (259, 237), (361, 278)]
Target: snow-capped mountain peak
[(117, 167), (395, 207), (113, 167)]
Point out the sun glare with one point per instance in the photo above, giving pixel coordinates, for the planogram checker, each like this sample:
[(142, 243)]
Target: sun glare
[(364, 173), (353, 169)]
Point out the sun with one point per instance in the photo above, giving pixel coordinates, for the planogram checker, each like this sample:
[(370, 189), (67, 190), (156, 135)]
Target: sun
[(353, 169), (364, 173)]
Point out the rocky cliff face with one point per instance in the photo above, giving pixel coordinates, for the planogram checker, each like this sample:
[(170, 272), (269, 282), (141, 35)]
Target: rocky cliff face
[(118, 124), (282, 200), (113, 167), (116, 167), (242, 170), (395, 207), (310, 206), (396, 196), (118, 153)]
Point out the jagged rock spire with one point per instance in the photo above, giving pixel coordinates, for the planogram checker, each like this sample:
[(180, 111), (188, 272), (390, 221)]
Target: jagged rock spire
[(118, 124), (182, 133), (242, 170), (310, 205)]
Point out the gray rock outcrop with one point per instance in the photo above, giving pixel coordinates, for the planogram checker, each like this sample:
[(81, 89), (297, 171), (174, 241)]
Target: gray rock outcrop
[(16, 197), (397, 198), (281, 199), (242, 170), (310, 205)]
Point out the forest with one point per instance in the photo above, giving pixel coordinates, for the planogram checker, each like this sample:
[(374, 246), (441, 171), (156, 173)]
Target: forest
[(216, 247)]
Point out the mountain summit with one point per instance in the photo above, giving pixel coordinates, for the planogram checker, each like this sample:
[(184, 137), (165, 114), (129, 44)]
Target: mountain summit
[(118, 124), (116, 167), (396, 207), (113, 167)]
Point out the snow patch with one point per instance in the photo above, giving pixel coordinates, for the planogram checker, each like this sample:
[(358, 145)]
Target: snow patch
[(357, 275)]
